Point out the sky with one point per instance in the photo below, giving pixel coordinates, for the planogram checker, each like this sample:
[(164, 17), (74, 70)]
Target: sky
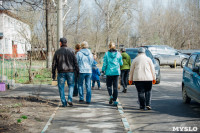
[(148, 3)]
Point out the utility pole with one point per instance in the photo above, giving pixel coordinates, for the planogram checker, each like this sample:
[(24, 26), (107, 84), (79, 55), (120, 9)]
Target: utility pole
[(59, 22)]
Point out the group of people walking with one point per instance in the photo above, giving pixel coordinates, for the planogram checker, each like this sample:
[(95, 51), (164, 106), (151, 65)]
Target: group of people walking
[(79, 65)]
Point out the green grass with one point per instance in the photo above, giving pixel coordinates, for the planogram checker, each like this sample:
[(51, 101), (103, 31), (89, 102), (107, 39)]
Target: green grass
[(19, 120), (24, 117), (17, 105), (21, 74)]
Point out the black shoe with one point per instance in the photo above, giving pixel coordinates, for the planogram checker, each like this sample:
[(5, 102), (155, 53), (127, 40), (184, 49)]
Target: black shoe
[(70, 104), (75, 95), (124, 90), (111, 100), (81, 101), (142, 108), (148, 107), (63, 106), (87, 102)]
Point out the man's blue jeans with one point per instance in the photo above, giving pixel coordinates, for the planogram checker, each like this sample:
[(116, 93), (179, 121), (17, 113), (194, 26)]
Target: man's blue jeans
[(87, 78), (69, 76)]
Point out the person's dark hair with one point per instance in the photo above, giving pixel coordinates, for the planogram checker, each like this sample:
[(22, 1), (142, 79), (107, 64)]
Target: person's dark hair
[(77, 46), (63, 41), (123, 50)]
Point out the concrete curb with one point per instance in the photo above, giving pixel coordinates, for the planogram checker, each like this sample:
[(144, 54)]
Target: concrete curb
[(123, 118), (49, 121)]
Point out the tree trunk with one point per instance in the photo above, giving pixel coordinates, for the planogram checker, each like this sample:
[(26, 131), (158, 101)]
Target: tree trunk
[(48, 36), (77, 24), (108, 28), (30, 66)]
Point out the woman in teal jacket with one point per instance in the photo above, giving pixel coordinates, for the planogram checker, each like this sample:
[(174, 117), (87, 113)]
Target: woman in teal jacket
[(111, 65)]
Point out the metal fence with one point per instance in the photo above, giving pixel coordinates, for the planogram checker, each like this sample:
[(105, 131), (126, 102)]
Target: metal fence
[(16, 71), (11, 70)]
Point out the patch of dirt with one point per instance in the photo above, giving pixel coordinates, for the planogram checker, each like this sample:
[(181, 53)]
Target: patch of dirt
[(25, 114)]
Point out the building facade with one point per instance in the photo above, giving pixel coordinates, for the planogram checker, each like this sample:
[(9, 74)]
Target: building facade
[(14, 36)]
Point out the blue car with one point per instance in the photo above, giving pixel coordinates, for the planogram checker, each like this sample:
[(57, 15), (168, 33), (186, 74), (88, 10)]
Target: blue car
[(191, 79), (133, 52)]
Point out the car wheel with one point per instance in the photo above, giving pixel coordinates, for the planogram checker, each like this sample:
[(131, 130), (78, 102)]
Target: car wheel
[(157, 61), (158, 81), (186, 99), (183, 62)]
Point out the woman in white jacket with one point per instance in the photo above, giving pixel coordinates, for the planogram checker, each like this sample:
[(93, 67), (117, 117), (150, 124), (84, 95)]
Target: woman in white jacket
[(142, 72)]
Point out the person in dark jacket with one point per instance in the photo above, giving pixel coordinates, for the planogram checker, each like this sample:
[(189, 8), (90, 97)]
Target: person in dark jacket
[(125, 68), (112, 61), (95, 74), (65, 62), (75, 93)]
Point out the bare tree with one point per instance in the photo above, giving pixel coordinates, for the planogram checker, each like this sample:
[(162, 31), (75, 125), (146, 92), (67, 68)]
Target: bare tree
[(170, 25), (116, 14)]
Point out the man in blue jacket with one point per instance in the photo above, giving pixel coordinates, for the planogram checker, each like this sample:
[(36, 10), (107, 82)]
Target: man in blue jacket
[(85, 60)]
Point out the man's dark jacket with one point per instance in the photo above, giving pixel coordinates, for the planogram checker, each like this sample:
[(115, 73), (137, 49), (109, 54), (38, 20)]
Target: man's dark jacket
[(64, 61)]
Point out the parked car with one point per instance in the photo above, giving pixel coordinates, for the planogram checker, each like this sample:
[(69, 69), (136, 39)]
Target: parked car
[(191, 79), (165, 55), (133, 52)]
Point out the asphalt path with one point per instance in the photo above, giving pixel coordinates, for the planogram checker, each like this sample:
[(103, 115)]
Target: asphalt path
[(168, 112)]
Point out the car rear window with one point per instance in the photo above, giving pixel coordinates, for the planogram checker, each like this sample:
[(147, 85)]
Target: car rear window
[(133, 53), (197, 63)]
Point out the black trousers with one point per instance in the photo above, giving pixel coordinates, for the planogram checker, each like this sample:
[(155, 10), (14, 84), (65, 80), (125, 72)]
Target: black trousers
[(75, 93), (112, 85), (124, 78), (144, 92)]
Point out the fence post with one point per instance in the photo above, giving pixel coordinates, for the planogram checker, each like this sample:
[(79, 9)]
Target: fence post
[(3, 68), (11, 72), (14, 71), (7, 71), (1, 71)]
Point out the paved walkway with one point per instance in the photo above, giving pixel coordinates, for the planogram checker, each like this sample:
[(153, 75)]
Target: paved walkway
[(96, 117)]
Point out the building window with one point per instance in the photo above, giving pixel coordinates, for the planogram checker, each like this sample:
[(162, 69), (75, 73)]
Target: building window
[(8, 22), (6, 44)]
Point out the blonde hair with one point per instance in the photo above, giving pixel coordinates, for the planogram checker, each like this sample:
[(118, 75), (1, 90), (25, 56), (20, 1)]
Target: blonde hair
[(112, 45), (84, 44)]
